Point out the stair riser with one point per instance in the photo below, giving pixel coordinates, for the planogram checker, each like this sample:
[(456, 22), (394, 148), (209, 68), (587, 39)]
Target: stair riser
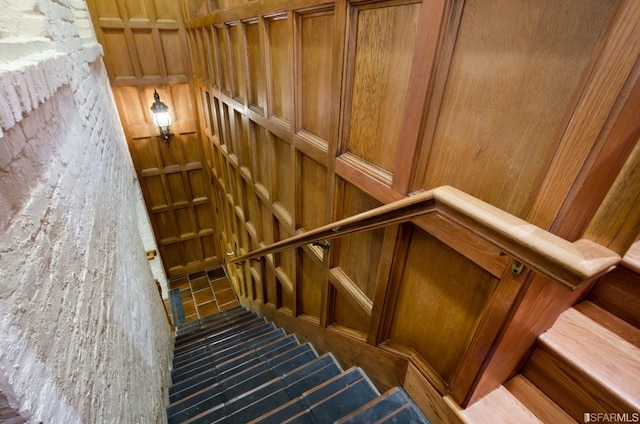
[(570, 388)]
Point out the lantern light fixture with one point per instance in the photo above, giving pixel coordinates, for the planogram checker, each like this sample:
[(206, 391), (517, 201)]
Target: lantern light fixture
[(161, 117)]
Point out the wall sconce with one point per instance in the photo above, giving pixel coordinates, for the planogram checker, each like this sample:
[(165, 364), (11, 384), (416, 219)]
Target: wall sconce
[(161, 117)]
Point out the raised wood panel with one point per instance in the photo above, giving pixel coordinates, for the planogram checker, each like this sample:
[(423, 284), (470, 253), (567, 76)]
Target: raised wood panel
[(449, 294), (165, 10), (278, 30), (359, 248), (210, 54), (136, 9), (311, 285), (283, 192), (345, 315), (117, 51), (146, 53), (195, 56), (313, 176), (255, 59), (203, 68), (238, 62), (381, 61), (617, 221), (107, 10), (223, 53), (513, 75), (264, 151), (315, 45), (175, 62)]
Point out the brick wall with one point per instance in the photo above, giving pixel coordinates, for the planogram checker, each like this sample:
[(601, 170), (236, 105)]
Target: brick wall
[(84, 335)]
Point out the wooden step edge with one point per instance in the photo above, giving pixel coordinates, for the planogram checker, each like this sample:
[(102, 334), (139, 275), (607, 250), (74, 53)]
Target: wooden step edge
[(537, 402), (498, 407), (597, 353), (611, 322)]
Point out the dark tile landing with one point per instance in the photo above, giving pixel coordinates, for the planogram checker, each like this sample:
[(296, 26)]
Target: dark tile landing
[(200, 295)]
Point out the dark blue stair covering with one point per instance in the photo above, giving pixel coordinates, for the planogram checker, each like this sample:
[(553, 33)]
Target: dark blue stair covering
[(262, 352), (261, 399), (212, 397), (226, 352), (392, 406), (315, 395), (238, 345), (217, 335), (220, 317), (214, 320), (233, 367)]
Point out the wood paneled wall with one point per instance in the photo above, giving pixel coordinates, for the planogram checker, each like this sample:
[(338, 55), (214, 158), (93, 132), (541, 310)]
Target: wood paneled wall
[(145, 49), (313, 111)]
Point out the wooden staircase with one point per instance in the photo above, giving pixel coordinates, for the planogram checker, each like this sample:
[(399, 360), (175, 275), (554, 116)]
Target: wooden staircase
[(585, 368), (234, 367)]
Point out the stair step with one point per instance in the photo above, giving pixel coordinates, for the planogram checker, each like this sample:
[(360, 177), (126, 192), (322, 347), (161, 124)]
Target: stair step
[(209, 335), (536, 401), (218, 319), (343, 402), (299, 406), (210, 398), (210, 376), (392, 406), (234, 367), (225, 353), (210, 320), (220, 340), (250, 405), (220, 352), (585, 367), (499, 407)]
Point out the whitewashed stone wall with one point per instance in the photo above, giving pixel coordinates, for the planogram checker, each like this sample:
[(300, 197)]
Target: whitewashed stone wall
[(84, 337)]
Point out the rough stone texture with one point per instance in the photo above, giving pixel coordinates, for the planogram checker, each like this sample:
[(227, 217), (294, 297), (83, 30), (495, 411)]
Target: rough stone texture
[(84, 333)]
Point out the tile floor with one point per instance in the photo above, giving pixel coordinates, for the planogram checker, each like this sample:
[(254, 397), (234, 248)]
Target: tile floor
[(204, 293)]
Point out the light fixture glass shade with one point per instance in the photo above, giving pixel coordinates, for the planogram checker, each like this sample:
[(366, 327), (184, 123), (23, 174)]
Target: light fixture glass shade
[(162, 119)]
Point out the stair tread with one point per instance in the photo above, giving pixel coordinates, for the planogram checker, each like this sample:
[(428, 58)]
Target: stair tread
[(610, 321), (344, 401), (223, 354), (212, 321), (605, 357), (219, 317), (387, 407), (499, 407), (313, 396), (537, 402), (216, 383), (209, 337), (200, 392), (254, 400), (197, 367)]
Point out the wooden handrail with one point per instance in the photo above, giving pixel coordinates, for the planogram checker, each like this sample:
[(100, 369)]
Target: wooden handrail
[(569, 263)]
